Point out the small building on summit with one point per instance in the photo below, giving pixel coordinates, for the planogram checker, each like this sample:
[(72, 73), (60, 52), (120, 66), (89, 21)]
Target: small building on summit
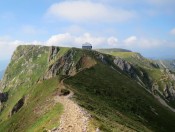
[(87, 46)]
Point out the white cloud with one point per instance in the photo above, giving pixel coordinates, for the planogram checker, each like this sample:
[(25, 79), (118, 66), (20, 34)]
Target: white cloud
[(113, 41), (96, 41), (148, 43), (76, 41), (74, 29), (7, 45), (86, 11), (130, 40), (172, 31), (61, 40), (151, 7)]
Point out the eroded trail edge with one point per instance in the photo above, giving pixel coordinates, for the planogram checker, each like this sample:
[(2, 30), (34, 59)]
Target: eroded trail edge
[(74, 118)]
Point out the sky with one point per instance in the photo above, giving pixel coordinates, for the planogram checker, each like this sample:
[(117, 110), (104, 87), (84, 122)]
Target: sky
[(145, 26)]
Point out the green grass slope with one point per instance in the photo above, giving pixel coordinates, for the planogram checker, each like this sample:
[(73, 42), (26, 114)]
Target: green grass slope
[(39, 113), (112, 50), (114, 98)]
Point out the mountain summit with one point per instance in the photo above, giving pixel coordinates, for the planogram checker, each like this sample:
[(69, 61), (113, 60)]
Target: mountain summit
[(71, 89)]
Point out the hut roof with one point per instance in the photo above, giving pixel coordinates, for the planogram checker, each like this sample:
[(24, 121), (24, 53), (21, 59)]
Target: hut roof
[(86, 44)]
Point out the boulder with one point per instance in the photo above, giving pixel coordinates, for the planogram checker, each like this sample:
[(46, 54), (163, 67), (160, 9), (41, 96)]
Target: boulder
[(169, 92)]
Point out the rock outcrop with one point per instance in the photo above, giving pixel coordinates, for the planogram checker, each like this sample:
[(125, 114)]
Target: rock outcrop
[(53, 52), (134, 72), (125, 66), (169, 92), (62, 66)]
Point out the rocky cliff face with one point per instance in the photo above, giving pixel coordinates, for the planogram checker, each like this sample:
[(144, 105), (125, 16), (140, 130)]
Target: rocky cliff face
[(148, 73), (53, 52), (168, 81), (64, 65), (136, 73), (169, 92), (125, 66)]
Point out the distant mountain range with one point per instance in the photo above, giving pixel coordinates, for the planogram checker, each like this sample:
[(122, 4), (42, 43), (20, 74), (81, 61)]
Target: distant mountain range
[(167, 63)]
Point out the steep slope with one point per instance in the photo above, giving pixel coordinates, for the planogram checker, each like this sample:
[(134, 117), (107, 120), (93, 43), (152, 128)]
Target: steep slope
[(117, 93), (133, 57), (30, 105), (1, 74), (113, 97), (160, 79)]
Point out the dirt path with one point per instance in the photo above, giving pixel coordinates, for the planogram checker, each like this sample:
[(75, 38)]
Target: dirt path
[(74, 118)]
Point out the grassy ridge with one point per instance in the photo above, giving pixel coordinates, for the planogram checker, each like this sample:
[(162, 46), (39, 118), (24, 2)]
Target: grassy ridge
[(112, 50), (114, 98)]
